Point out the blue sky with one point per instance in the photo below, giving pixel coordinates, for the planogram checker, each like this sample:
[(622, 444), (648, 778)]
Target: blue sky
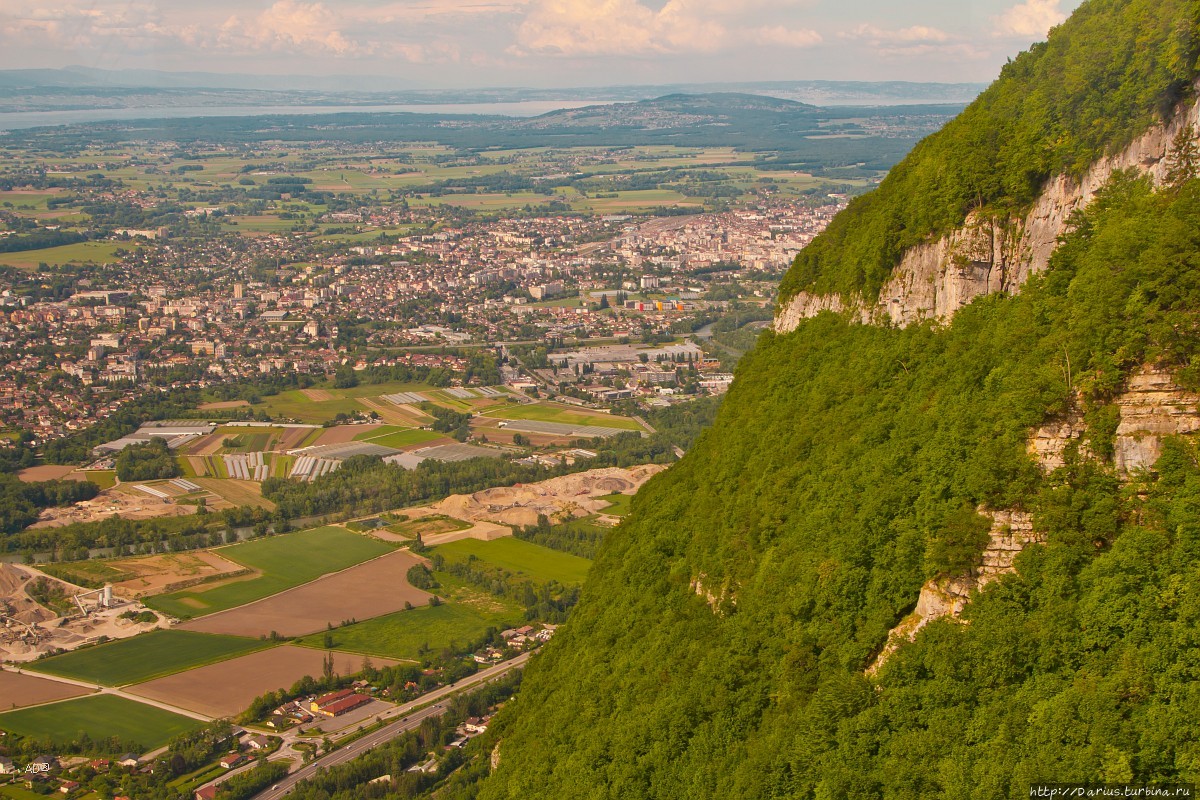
[(476, 43)]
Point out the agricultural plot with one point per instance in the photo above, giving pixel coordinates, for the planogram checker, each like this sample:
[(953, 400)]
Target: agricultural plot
[(18, 690), (547, 412), (409, 634), (368, 590), (144, 575), (235, 493), (227, 688), (406, 438), (141, 658), (520, 557), (283, 562), (82, 253), (619, 504), (102, 717), (427, 526)]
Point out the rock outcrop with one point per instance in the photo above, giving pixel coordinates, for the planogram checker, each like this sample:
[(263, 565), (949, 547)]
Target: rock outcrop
[(1152, 407), (1012, 532), (985, 256)]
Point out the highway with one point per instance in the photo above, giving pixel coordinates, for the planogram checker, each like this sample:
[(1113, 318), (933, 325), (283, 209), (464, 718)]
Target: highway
[(409, 720)]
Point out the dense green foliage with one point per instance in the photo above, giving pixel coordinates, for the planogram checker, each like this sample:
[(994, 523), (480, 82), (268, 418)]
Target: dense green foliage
[(20, 502), (1103, 77), (578, 537), (147, 462), (843, 469), (251, 782)]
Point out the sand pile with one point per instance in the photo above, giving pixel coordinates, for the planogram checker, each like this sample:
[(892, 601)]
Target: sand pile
[(557, 498)]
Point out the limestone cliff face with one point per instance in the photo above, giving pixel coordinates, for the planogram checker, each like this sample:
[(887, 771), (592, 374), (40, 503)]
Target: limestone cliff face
[(1012, 532), (1152, 407), (934, 280)]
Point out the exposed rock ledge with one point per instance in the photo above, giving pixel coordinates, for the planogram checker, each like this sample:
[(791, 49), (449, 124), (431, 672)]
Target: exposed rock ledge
[(1012, 532), (1152, 407), (986, 256)]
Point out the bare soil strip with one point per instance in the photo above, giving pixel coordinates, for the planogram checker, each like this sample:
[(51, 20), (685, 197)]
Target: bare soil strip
[(226, 689), (18, 690), (368, 590)]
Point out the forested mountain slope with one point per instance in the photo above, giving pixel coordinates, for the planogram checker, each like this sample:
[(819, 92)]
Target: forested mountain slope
[(722, 644)]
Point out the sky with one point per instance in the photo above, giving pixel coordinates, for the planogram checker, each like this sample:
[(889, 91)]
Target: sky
[(536, 43)]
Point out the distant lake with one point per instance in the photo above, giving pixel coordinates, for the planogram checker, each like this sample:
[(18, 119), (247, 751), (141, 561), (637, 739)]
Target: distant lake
[(32, 119)]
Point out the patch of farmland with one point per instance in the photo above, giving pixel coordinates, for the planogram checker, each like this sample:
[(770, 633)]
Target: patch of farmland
[(141, 658), (520, 557), (283, 562), (407, 634), (18, 690), (368, 590), (102, 717), (226, 689), (134, 577)]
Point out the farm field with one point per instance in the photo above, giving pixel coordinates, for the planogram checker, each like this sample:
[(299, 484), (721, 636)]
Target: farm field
[(283, 562), (545, 412), (367, 590), (18, 690), (407, 634), (406, 438), (141, 658), (82, 253), (101, 717), (145, 575), (521, 557), (235, 492), (227, 688), (620, 504)]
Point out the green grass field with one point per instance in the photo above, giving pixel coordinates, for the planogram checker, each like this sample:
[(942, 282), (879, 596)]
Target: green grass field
[(517, 556), (82, 253), (375, 433), (406, 634), (104, 478), (101, 717), (620, 504), (403, 438), (142, 658), (283, 561), (543, 412)]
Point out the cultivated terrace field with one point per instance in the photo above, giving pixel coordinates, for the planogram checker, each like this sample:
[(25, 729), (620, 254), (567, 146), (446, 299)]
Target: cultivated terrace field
[(147, 656), (281, 562)]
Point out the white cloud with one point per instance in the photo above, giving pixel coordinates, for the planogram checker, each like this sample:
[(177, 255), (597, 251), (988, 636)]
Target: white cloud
[(615, 27), (626, 27), (780, 36), (912, 35), (289, 25), (1033, 18)]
